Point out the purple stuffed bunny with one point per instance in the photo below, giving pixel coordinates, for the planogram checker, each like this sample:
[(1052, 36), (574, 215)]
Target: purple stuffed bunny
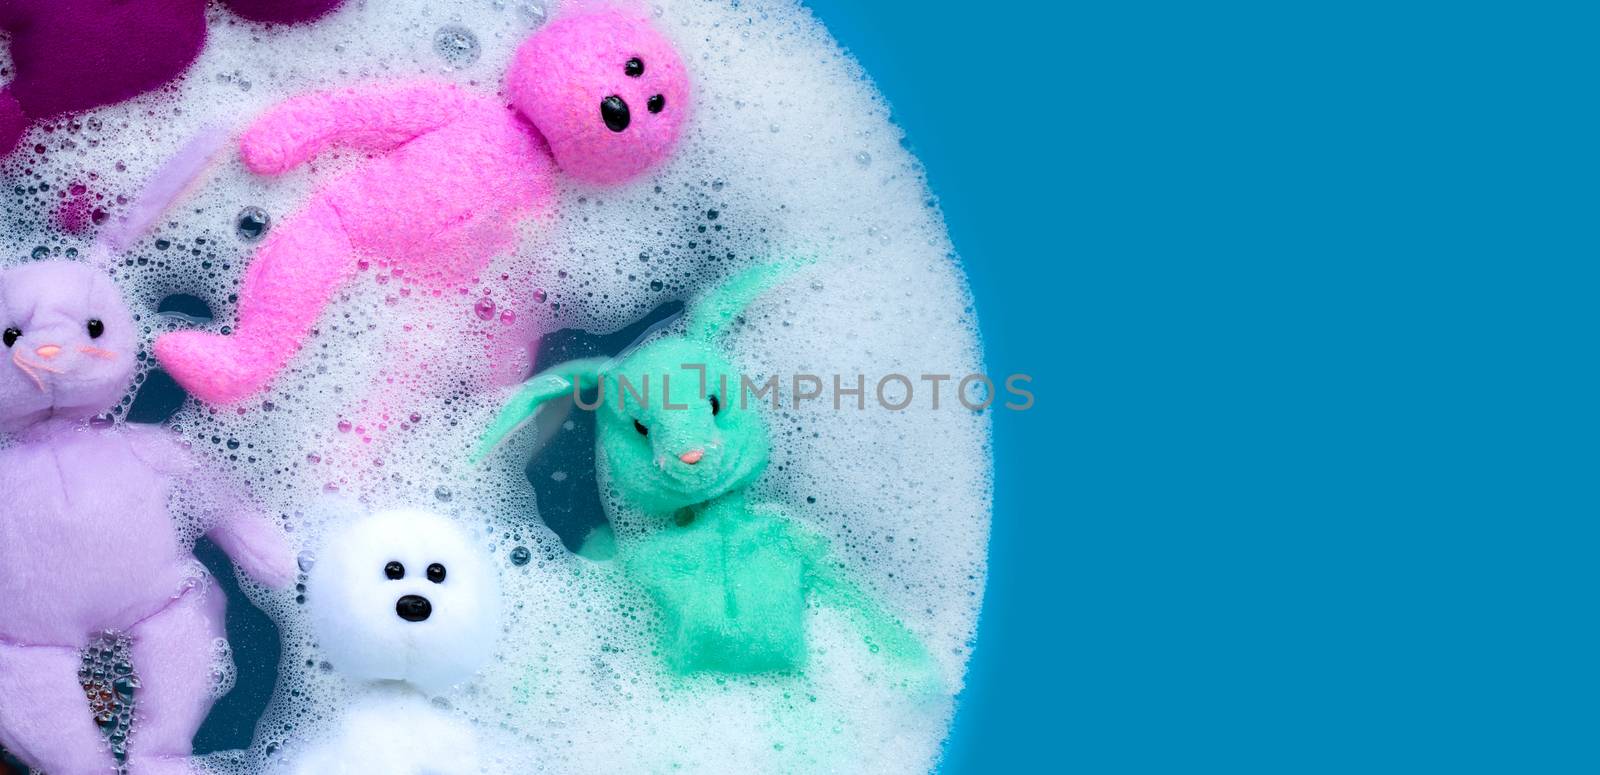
[(89, 550), (73, 55)]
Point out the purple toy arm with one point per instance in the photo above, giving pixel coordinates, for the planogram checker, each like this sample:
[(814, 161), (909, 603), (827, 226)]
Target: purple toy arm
[(281, 11), (228, 515), (15, 12), (256, 545), (13, 122), (373, 118)]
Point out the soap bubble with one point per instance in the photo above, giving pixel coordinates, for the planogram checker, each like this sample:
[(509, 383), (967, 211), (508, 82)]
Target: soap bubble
[(106, 673), (520, 556), (534, 12), (252, 223), (223, 672), (457, 45)]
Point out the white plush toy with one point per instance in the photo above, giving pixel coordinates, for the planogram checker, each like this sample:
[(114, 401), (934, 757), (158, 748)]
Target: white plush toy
[(406, 606)]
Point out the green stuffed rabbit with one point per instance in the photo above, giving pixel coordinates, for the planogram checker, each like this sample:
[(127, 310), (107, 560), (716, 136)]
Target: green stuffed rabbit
[(733, 579)]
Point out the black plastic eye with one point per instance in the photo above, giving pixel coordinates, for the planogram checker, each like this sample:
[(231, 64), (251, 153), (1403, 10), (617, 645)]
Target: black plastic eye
[(656, 104), (615, 113), (716, 406), (638, 426), (11, 336), (96, 328), (394, 570), (634, 68), (436, 573)]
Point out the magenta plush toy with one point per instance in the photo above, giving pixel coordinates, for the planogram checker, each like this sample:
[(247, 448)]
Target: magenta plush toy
[(73, 55), (598, 93), (109, 628)]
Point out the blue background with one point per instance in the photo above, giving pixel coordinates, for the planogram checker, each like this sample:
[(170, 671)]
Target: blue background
[(1308, 293)]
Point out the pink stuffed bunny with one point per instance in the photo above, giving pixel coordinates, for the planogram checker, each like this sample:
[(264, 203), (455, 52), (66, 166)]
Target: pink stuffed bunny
[(88, 546), (598, 93)]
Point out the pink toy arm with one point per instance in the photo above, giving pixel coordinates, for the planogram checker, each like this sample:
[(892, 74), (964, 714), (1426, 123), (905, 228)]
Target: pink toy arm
[(229, 516), (374, 118)]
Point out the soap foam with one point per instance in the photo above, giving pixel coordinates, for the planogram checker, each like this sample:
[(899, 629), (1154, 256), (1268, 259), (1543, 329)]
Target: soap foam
[(790, 153)]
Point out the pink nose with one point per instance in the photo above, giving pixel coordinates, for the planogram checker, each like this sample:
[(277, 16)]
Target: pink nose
[(692, 456), (48, 351)]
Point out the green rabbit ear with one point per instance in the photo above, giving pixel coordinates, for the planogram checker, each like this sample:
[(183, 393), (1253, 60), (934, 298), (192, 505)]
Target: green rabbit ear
[(553, 383), (719, 307)]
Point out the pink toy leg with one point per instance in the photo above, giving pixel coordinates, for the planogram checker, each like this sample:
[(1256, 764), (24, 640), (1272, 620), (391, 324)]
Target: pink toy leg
[(172, 655), (289, 282), (44, 717)]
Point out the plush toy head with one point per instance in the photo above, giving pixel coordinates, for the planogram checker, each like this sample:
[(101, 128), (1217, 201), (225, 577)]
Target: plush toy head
[(669, 444), (606, 90), (70, 341), (405, 596)]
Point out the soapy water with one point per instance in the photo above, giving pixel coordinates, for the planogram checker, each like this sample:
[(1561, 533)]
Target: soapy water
[(790, 153), (111, 686), (223, 672)]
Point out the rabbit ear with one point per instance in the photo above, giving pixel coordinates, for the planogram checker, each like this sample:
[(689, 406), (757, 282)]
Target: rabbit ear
[(554, 383), (171, 182), (724, 303), (646, 335)]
